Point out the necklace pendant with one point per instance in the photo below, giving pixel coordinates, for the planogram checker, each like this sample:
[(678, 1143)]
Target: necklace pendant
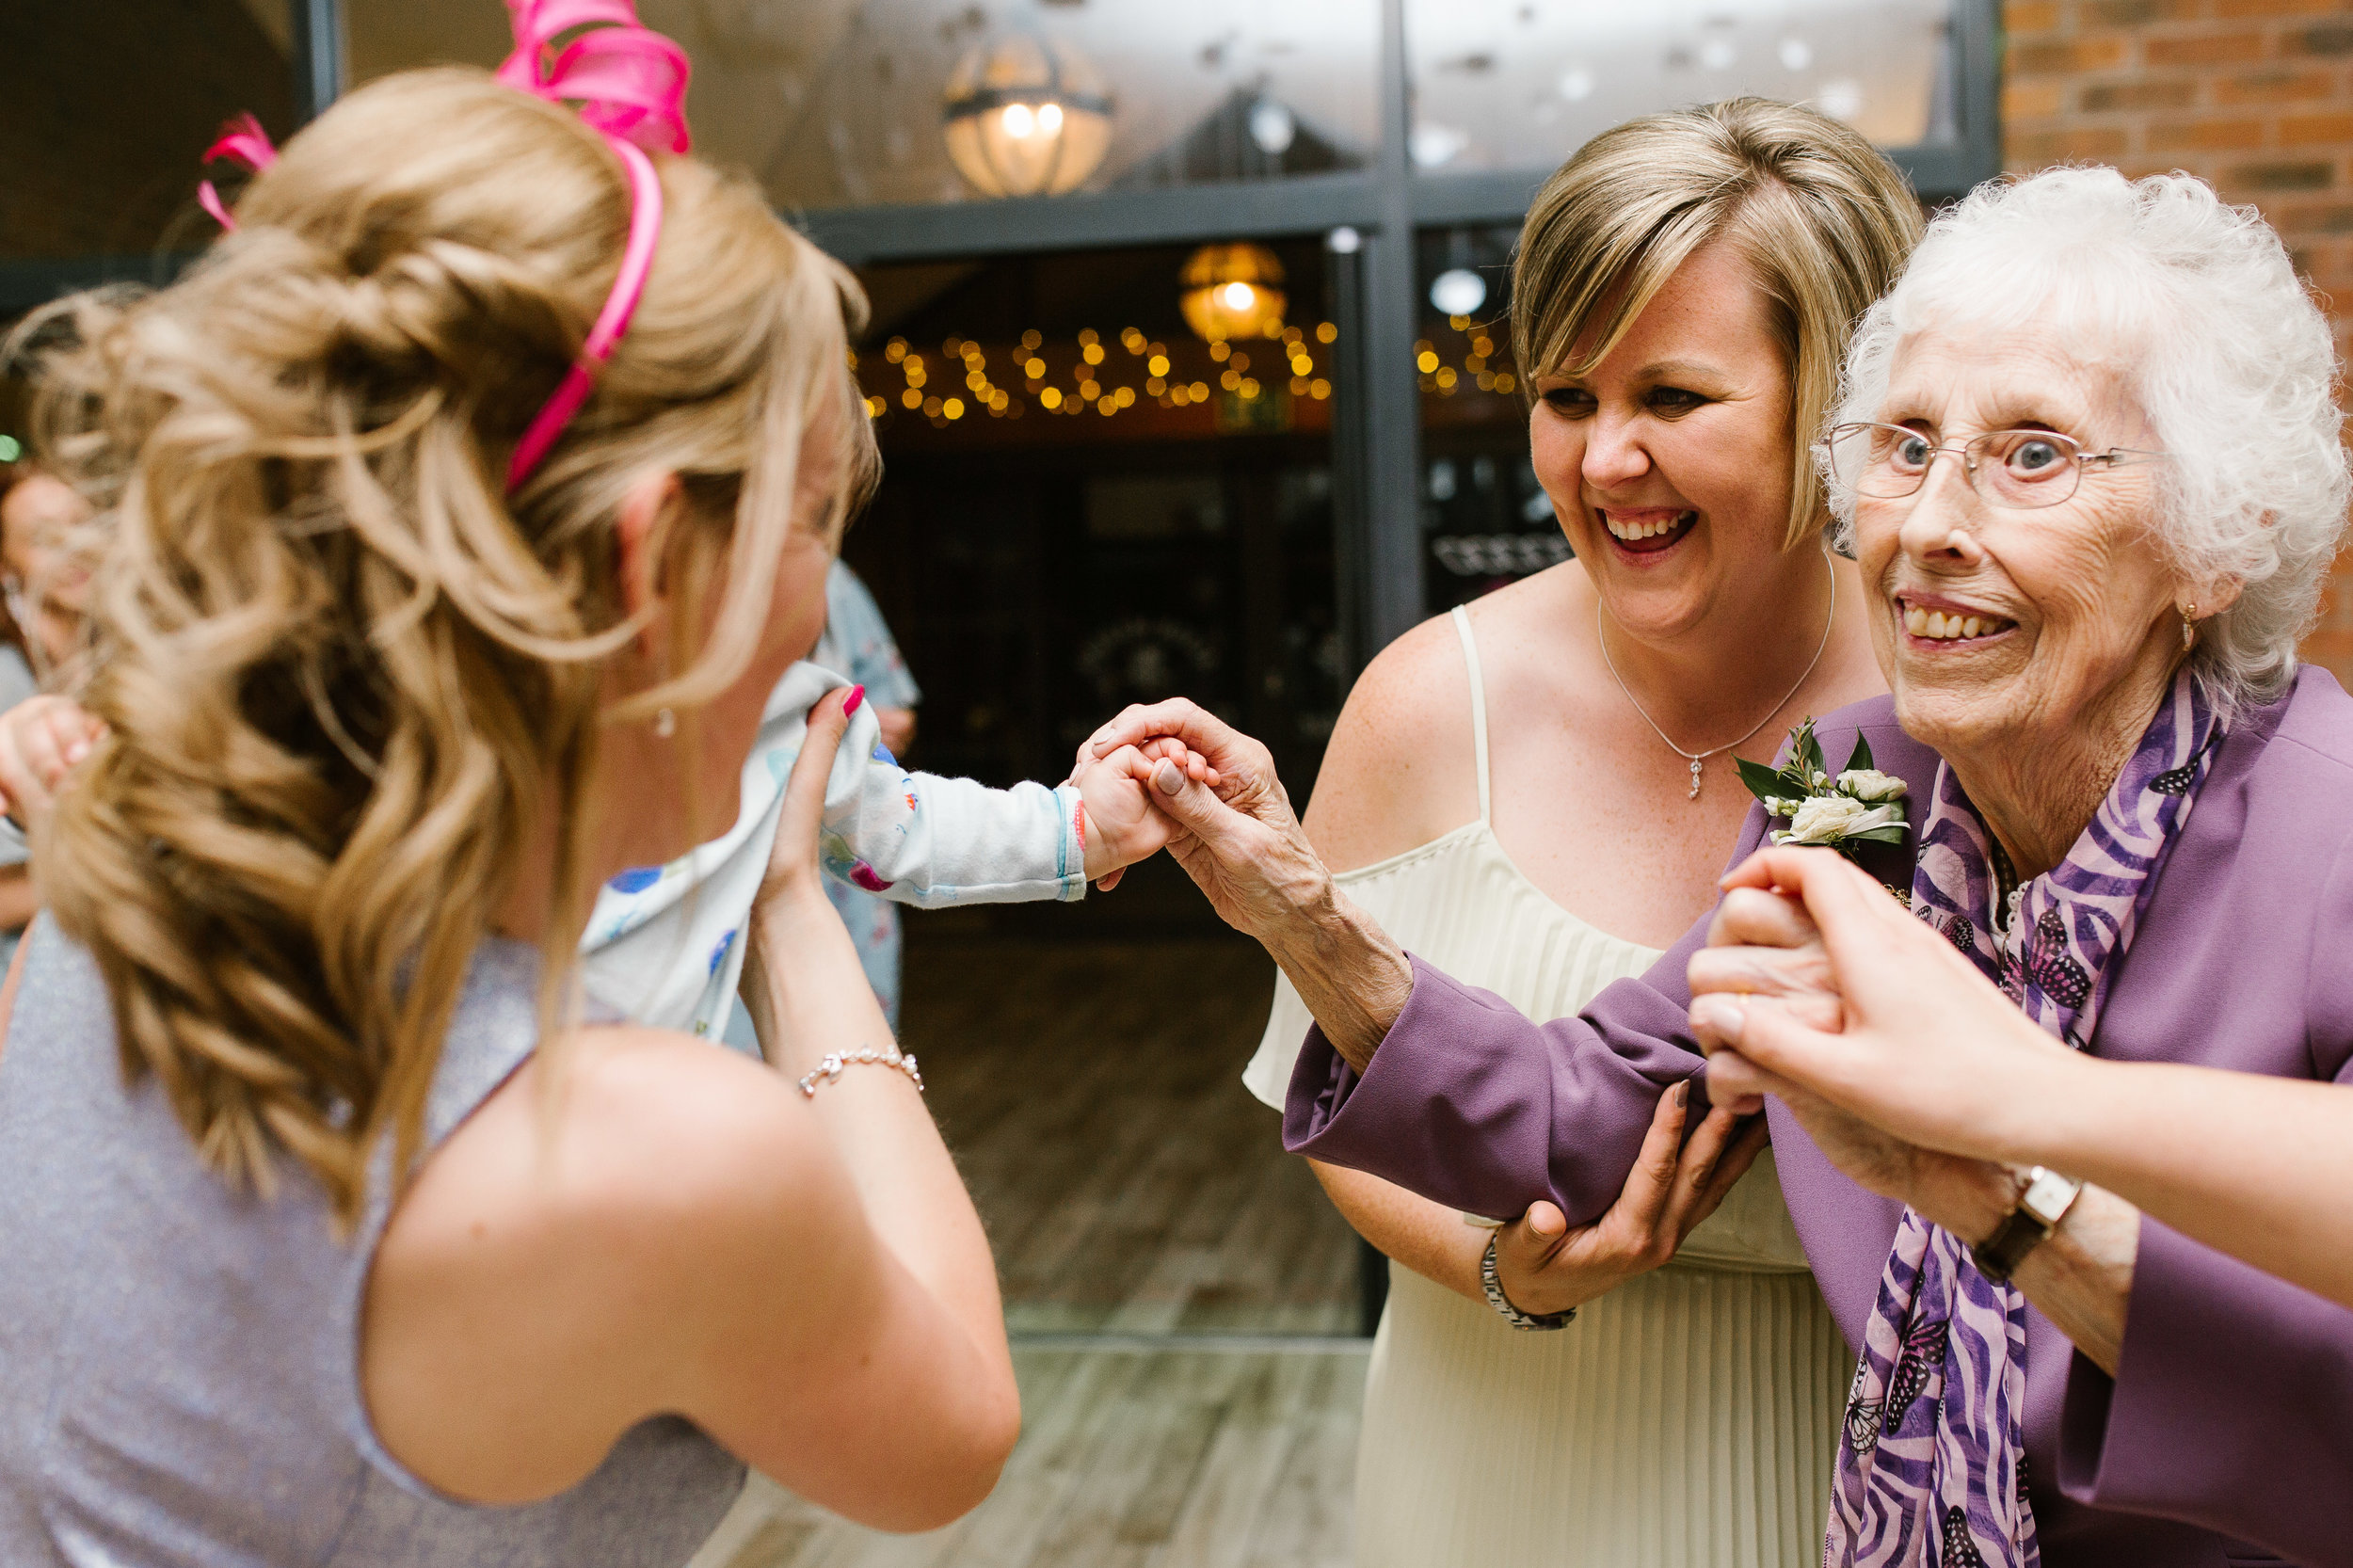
[(1695, 780)]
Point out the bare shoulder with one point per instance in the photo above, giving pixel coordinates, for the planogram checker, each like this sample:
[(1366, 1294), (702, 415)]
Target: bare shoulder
[(612, 1128), (549, 1270), (1532, 639), (1398, 771)]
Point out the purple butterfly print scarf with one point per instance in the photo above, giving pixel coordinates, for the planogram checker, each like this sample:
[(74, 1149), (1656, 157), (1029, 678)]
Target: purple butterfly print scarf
[(1932, 1467)]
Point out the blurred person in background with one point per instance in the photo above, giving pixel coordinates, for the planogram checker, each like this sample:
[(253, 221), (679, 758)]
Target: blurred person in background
[(44, 582), (858, 646)]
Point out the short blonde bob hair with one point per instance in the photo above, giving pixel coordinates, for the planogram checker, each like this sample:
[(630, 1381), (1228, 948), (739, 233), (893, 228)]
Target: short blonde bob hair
[(345, 677), (1821, 216)]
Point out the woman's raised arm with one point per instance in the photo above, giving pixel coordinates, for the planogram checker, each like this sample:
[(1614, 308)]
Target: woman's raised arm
[(2258, 1167), (681, 1230)]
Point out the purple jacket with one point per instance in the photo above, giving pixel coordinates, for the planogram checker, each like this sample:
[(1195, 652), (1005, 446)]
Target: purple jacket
[(2231, 1417)]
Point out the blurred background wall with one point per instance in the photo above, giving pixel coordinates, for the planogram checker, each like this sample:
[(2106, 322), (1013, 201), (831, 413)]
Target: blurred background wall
[(2255, 96)]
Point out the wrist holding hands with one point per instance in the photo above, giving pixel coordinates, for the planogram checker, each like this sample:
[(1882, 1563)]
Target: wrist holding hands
[(1352, 975)]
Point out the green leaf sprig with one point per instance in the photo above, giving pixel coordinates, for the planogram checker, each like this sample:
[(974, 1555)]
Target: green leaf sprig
[(1854, 807)]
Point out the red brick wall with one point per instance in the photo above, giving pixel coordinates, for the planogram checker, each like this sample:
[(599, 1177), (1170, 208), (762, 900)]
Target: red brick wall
[(2255, 96)]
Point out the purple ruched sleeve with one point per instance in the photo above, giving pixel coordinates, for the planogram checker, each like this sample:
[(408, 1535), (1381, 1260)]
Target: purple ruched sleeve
[(1466, 1099), (1472, 1125), (2231, 1407)]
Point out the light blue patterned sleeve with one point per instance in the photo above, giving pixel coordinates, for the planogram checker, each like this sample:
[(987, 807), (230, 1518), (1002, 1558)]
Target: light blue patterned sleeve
[(665, 943)]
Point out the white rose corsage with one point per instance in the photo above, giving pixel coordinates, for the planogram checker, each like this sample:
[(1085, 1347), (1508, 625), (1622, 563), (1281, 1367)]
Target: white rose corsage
[(1857, 806)]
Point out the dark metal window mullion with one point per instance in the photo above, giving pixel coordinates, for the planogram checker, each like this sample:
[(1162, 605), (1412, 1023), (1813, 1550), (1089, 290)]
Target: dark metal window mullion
[(317, 55), (1377, 449), (1391, 569)]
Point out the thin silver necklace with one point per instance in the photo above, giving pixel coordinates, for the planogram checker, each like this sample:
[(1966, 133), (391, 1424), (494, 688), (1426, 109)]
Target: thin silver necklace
[(1696, 758)]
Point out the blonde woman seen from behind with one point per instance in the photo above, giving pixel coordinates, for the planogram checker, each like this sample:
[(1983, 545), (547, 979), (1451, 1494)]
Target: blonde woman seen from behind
[(336, 1236), (1681, 301)]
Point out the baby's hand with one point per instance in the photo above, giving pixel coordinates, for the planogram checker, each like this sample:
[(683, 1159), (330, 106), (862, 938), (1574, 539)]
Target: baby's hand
[(1122, 825), (41, 740)]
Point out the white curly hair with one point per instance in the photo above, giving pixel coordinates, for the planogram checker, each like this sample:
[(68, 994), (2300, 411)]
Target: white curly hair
[(2227, 355)]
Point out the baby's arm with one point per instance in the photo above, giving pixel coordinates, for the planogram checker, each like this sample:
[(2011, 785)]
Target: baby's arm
[(927, 841), (664, 943)]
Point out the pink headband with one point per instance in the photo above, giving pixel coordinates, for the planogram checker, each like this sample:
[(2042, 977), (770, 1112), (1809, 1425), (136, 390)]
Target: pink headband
[(243, 139), (631, 85)]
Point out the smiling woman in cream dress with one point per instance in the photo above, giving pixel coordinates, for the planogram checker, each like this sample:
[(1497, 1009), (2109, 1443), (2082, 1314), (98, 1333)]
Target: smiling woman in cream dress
[(1681, 298)]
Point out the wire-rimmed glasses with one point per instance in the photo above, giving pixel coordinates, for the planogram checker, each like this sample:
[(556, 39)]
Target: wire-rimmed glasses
[(2018, 469)]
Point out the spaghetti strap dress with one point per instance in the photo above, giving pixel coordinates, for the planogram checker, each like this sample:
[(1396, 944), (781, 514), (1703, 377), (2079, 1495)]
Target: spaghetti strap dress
[(1687, 1419)]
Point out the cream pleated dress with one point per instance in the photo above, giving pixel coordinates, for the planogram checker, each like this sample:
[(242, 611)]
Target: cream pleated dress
[(1687, 1419)]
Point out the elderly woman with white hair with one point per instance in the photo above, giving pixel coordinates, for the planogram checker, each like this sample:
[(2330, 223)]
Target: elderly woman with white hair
[(2089, 463)]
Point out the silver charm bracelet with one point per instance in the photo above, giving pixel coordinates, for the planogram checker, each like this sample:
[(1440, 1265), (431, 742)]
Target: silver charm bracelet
[(829, 1067), (1491, 1283)]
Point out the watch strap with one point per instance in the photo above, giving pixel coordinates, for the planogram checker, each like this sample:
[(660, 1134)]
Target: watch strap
[(1491, 1283), (2042, 1203)]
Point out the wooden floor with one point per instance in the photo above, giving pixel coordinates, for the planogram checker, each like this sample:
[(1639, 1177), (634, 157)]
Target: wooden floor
[(1130, 1185), (1151, 1235), (1128, 1458)]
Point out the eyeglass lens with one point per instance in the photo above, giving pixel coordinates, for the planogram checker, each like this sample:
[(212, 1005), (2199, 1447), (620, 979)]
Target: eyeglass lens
[(2020, 469)]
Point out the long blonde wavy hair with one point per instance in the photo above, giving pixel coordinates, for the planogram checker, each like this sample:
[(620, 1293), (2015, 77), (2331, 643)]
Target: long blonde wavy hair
[(346, 679)]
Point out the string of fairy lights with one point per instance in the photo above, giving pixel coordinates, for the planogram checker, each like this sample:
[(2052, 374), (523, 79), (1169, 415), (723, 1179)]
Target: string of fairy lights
[(1482, 366), (1089, 375)]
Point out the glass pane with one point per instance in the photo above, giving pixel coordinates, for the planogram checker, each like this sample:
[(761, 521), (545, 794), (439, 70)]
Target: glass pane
[(836, 103), (107, 121), (1086, 505), (1485, 521), (1521, 84), (1065, 537)]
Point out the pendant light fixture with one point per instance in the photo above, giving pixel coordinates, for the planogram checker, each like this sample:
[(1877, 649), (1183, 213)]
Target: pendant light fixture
[(1026, 116), (1233, 290)]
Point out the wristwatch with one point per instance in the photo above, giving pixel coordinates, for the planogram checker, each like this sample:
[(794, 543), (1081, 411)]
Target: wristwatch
[(1491, 1283), (2044, 1203)]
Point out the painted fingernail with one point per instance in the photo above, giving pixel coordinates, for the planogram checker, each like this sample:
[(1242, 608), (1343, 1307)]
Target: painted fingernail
[(1683, 1093), (853, 701)]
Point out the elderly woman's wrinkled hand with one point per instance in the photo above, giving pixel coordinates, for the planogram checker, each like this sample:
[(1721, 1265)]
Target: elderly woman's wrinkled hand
[(1925, 1048), (1234, 832), (1238, 838)]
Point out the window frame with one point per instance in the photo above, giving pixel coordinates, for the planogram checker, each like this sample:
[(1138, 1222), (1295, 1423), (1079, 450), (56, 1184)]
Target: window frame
[(1374, 213)]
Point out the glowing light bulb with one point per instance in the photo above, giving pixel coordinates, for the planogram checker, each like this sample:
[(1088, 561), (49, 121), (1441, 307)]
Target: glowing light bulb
[(1050, 118), (1019, 122), (1230, 291), (1458, 292)]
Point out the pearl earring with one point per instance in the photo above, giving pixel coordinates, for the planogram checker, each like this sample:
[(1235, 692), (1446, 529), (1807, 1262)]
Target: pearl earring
[(665, 723)]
